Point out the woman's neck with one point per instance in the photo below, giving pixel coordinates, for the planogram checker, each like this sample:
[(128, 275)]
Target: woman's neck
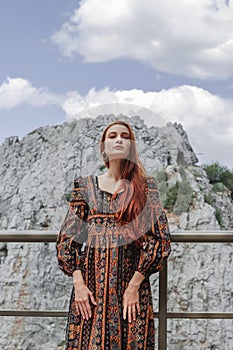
[(114, 172)]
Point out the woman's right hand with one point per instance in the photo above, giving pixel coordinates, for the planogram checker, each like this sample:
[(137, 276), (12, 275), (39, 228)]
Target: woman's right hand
[(82, 294)]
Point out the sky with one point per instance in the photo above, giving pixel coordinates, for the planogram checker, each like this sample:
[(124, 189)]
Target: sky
[(66, 59)]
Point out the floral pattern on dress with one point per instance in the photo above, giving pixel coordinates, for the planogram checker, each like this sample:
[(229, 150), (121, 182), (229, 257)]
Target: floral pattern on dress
[(90, 240)]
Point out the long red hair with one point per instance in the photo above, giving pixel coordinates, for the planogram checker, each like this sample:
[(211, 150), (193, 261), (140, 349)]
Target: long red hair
[(132, 170)]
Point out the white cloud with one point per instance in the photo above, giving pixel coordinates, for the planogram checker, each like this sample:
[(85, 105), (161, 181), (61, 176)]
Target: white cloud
[(206, 118), (192, 38), (74, 103), (15, 91)]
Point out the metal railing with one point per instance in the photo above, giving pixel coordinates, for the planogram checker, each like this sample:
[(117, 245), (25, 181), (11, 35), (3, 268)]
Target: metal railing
[(163, 315)]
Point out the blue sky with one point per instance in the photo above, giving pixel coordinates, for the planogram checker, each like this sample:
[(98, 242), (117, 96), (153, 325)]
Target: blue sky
[(60, 58)]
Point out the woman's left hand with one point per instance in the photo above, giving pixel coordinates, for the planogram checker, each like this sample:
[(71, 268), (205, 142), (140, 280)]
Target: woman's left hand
[(131, 302)]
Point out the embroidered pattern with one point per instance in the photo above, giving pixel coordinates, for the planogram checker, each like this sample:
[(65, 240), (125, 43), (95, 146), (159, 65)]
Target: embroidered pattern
[(89, 240)]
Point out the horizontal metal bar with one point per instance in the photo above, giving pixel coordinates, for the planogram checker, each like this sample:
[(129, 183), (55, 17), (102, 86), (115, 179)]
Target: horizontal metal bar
[(215, 315), (181, 236), (33, 313), (55, 313), (27, 236), (202, 236)]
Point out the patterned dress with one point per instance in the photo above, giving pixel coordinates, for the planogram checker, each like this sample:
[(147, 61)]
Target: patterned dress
[(90, 240)]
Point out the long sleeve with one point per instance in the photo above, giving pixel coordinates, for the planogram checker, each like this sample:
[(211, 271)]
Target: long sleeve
[(73, 233), (157, 247)]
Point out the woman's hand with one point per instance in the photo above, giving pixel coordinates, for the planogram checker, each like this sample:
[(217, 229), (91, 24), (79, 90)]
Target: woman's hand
[(131, 302), (82, 294)]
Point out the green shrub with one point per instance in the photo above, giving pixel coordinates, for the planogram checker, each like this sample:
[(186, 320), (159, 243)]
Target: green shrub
[(219, 217), (218, 187), (218, 173), (226, 178), (178, 197), (171, 197), (196, 172), (184, 197), (213, 171), (208, 198), (161, 178)]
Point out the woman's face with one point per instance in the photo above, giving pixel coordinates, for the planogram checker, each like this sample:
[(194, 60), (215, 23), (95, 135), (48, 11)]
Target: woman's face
[(117, 142)]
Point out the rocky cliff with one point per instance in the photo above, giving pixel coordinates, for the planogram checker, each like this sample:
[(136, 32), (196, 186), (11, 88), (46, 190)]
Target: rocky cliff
[(36, 178)]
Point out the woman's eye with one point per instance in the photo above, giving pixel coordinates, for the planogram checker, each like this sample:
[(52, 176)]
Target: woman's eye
[(123, 136)]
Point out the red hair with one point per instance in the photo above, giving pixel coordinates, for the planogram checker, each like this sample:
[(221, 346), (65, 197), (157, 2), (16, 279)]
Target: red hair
[(132, 170)]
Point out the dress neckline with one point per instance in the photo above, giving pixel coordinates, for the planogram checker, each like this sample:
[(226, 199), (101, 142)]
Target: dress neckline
[(100, 189)]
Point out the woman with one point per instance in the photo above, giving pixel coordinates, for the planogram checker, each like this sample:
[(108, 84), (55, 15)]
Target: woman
[(114, 236)]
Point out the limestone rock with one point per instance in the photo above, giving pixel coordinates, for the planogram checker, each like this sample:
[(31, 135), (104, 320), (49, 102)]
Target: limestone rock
[(36, 178)]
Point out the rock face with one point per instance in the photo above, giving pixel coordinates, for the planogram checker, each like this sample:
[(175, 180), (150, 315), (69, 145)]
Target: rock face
[(36, 178)]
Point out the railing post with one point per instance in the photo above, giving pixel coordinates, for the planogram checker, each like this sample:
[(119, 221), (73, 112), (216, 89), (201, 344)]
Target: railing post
[(162, 339)]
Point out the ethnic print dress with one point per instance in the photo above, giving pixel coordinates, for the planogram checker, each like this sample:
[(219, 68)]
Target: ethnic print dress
[(90, 240)]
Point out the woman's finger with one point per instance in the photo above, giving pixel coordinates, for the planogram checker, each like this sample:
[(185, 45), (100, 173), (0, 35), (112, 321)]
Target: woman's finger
[(77, 307), (84, 305), (92, 298), (129, 313), (124, 311), (134, 312), (88, 308), (81, 309), (138, 307)]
